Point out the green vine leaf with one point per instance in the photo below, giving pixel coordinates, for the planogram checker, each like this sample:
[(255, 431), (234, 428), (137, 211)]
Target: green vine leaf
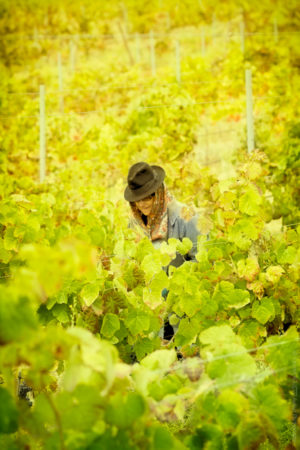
[(263, 311), (8, 413), (110, 325), (250, 201), (89, 293)]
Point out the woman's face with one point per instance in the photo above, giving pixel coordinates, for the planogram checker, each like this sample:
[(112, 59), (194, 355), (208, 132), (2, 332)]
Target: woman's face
[(145, 205)]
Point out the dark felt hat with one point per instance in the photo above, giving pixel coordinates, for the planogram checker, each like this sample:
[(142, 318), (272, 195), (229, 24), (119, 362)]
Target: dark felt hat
[(143, 180)]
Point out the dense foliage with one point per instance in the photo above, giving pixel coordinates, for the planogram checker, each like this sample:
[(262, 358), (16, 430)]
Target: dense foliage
[(82, 361)]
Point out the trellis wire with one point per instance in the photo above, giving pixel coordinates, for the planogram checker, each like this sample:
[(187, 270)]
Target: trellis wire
[(138, 107), (215, 385), (174, 105), (97, 111), (291, 224), (21, 93), (164, 136), (130, 35), (123, 86), (178, 365), (169, 105), (57, 36), (250, 350), (272, 33)]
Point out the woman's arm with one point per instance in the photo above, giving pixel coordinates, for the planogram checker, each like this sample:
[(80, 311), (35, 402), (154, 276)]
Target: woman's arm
[(192, 232)]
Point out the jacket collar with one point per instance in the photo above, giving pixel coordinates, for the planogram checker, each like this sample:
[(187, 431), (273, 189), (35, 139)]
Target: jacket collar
[(174, 209)]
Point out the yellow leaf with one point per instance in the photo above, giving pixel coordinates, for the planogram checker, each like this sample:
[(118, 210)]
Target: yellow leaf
[(273, 274), (187, 213), (205, 224), (248, 268), (257, 287)]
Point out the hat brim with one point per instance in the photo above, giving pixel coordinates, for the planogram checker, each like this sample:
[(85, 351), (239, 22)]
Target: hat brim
[(139, 194)]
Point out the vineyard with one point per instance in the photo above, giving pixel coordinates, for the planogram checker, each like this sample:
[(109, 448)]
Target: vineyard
[(209, 91)]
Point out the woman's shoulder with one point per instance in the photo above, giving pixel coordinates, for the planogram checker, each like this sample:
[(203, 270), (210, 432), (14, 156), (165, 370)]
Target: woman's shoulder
[(183, 222), (180, 211), (182, 214), (174, 210)]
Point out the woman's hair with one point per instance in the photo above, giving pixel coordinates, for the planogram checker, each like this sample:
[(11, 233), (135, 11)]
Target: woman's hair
[(151, 195)]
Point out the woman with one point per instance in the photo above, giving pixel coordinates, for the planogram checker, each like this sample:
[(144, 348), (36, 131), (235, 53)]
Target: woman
[(155, 212), (157, 215)]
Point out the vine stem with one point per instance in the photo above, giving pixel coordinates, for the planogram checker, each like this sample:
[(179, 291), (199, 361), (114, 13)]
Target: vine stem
[(57, 417)]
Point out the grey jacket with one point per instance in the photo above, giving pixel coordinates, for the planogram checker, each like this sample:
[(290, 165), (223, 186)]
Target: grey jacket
[(179, 228)]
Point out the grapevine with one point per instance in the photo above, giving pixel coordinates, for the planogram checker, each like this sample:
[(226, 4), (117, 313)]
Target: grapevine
[(83, 298)]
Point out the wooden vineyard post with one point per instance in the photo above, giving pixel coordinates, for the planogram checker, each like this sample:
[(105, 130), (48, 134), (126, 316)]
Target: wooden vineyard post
[(249, 107), (213, 25), (35, 34), (152, 54), (42, 134), (242, 36), (72, 56), (168, 21), (203, 45), (178, 62), (137, 48), (125, 42), (125, 18), (275, 29), (60, 83)]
